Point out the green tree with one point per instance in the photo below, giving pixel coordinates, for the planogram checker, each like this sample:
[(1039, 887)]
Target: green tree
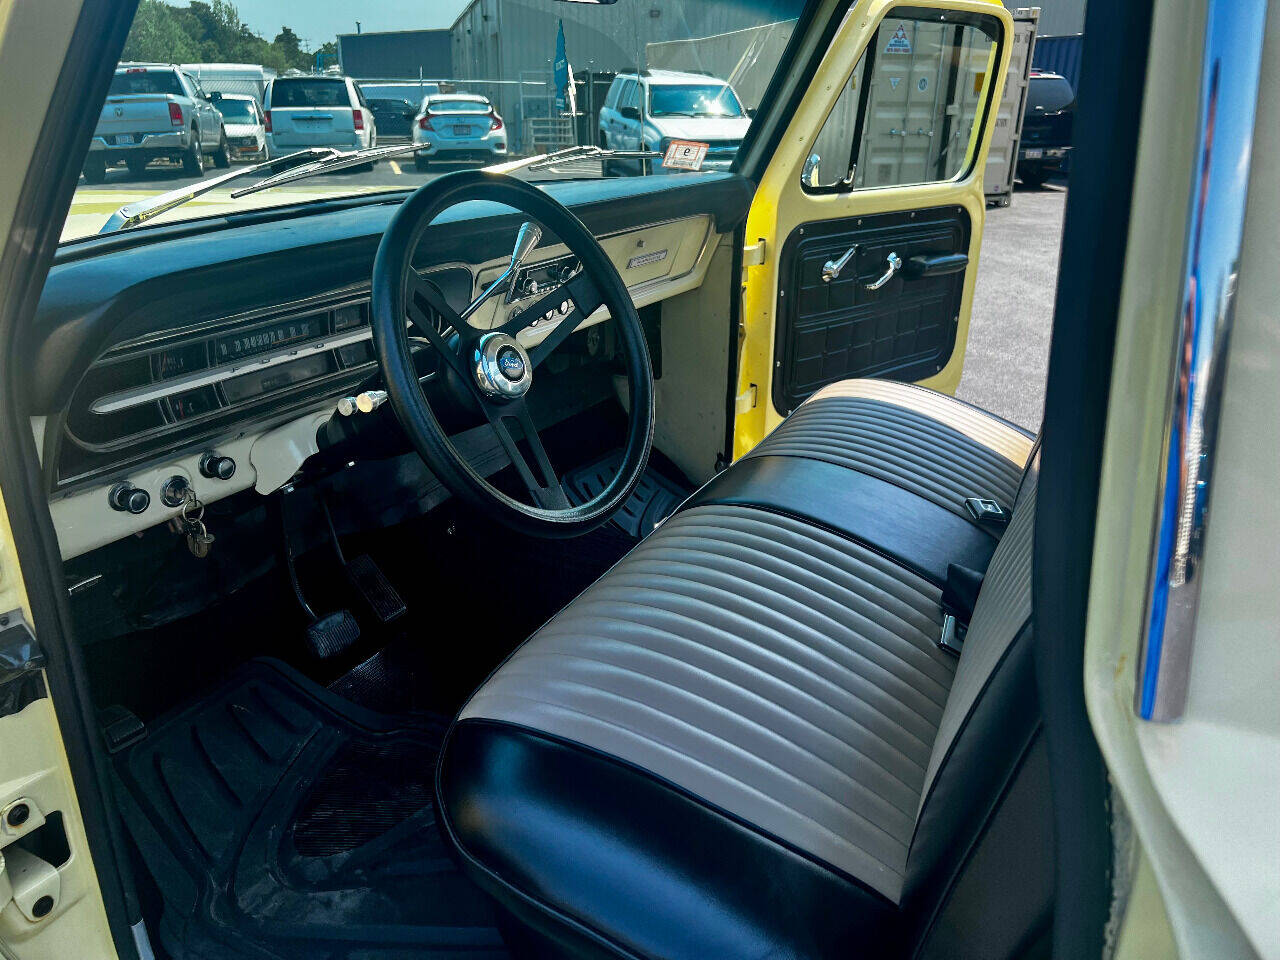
[(158, 34), (211, 31)]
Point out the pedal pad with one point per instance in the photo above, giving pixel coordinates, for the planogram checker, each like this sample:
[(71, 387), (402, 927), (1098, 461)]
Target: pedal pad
[(121, 728), (330, 635), (367, 577)]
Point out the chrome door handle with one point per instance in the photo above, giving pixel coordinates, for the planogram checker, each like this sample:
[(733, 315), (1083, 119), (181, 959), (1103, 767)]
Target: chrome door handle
[(832, 268), (895, 264)]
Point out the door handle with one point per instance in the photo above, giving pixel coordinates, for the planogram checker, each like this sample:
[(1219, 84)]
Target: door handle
[(832, 268), (935, 265), (895, 264)]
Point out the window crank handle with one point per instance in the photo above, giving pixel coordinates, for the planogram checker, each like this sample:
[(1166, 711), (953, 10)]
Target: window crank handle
[(895, 264)]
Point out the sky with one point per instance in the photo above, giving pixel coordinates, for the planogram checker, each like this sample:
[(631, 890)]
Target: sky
[(316, 21)]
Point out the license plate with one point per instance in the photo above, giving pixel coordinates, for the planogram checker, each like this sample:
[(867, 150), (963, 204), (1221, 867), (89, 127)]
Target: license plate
[(462, 131), (1034, 153), (124, 139)]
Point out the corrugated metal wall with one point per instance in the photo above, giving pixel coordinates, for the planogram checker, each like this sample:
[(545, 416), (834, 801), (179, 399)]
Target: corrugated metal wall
[(1057, 17), (396, 55), (1060, 55)]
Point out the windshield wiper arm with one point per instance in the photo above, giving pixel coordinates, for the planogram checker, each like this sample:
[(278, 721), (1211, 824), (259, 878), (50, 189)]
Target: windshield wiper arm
[(340, 160), (140, 211), (586, 153)]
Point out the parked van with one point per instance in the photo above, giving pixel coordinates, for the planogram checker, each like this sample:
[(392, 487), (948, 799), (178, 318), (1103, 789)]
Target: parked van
[(317, 111)]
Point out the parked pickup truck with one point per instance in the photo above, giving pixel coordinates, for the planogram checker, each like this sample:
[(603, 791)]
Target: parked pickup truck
[(156, 111)]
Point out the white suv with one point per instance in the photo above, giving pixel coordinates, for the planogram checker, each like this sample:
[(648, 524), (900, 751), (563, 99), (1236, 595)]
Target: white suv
[(649, 109)]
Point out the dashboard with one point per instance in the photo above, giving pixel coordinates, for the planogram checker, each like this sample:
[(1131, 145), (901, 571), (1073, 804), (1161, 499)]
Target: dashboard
[(231, 342)]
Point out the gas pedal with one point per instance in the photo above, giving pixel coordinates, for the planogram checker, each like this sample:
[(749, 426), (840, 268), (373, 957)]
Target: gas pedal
[(372, 584)]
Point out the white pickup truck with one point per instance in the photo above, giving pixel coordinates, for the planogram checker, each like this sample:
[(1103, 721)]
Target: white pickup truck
[(155, 111)]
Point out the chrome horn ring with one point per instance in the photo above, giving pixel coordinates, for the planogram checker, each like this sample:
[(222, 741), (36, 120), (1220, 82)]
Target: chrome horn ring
[(502, 367)]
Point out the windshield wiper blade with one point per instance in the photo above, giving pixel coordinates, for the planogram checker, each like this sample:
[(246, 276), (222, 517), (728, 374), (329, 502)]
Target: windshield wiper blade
[(587, 153), (140, 211), (340, 160)]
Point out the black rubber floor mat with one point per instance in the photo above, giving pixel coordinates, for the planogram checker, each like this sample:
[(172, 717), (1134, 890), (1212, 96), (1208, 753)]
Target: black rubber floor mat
[(654, 499), (279, 821)]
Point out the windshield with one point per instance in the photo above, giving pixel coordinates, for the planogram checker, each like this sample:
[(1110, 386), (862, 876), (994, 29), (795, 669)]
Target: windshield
[(458, 106), (132, 82), (513, 84), (308, 93), (237, 111), (1049, 94), (705, 100)]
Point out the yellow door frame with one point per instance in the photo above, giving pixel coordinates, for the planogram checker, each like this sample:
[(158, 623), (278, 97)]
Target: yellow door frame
[(781, 205)]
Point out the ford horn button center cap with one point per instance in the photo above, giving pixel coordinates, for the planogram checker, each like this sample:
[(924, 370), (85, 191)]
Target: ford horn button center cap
[(502, 367)]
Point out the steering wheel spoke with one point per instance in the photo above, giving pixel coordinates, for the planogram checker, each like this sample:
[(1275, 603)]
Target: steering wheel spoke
[(540, 477), (424, 298), (580, 292)]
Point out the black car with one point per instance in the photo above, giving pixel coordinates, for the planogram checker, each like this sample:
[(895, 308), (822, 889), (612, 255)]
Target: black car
[(1046, 127), (393, 116)]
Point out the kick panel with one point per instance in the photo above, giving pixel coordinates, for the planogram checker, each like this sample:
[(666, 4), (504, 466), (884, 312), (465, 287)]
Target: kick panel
[(835, 328)]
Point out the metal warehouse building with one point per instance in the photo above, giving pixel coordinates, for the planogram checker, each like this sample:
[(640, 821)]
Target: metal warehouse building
[(399, 54), (504, 48)]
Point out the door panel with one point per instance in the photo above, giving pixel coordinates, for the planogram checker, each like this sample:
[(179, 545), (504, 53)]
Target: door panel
[(899, 113), (831, 330)]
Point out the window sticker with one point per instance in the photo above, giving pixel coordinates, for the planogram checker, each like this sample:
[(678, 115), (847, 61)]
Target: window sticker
[(685, 155), (899, 42)]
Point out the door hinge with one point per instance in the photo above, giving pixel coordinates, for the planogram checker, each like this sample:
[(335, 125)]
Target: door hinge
[(746, 400), (753, 254)]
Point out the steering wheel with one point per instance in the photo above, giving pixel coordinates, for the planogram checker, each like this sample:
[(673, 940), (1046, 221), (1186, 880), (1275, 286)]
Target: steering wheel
[(493, 367)]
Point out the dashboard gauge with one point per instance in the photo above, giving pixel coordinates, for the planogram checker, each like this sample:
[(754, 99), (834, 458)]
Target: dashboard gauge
[(352, 315), (239, 389), (179, 360), (193, 403), (250, 343)]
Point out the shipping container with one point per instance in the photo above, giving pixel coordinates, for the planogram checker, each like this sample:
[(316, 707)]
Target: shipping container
[(1060, 55), (1002, 156)]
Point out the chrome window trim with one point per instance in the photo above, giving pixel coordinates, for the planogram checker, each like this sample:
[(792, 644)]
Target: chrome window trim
[(1231, 66)]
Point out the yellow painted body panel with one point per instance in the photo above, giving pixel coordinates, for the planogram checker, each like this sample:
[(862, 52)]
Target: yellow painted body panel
[(781, 205), (33, 762)]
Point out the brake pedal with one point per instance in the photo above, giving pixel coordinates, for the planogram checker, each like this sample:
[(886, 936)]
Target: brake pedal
[(372, 584), (330, 635)]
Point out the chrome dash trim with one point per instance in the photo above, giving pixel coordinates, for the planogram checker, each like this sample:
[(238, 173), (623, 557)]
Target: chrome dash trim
[(1231, 65), (136, 396)]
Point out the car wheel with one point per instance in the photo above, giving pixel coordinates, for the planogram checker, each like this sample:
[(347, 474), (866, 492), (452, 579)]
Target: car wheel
[(95, 169), (421, 163), (1032, 177), (222, 158), (137, 166), (193, 159)]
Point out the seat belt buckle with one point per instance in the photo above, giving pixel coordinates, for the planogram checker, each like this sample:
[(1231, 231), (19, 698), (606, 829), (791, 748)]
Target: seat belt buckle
[(953, 633), (988, 511)]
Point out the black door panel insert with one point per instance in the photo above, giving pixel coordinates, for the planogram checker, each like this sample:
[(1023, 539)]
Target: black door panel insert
[(835, 328)]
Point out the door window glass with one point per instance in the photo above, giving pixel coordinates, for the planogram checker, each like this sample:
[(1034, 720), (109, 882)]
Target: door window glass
[(912, 109)]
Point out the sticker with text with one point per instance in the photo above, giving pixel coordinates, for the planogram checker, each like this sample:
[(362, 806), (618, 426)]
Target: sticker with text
[(685, 155)]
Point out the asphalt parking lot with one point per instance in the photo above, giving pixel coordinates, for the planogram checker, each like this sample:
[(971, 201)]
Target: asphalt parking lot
[(1008, 355)]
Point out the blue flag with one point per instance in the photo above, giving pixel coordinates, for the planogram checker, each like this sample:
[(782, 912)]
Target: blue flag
[(561, 70)]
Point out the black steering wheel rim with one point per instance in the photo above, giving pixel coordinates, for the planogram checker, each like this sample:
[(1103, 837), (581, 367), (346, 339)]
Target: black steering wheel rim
[(397, 288)]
